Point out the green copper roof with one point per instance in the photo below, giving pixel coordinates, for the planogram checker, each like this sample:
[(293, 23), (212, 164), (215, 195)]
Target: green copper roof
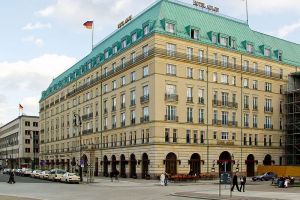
[(183, 15)]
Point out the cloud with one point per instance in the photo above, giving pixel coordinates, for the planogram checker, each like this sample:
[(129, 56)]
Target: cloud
[(288, 29), (24, 80), (35, 40), (37, 25), (103, 12)]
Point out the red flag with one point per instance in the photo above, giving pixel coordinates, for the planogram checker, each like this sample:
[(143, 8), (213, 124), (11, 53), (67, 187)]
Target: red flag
[(20, 107), (88, 24)]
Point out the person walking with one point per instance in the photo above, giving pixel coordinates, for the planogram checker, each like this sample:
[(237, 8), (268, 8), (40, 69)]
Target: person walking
[(166, 178), (235, 183), (11, 178), (162, 179), (243, 183)]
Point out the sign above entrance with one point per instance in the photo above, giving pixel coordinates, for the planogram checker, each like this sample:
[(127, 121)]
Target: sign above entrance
[(122, 23), (204, 6)]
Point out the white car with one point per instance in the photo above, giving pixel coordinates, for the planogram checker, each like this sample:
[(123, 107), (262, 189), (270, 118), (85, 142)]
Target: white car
[(56, 174), (35, 173), (27, 172), (44, 175), (70, 178)]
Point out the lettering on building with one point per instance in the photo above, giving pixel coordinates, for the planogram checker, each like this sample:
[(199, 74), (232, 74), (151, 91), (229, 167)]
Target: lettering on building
[(122, 23), (204, 6)]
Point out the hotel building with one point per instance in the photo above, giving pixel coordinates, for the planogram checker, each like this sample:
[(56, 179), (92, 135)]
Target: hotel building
[(176, 89)]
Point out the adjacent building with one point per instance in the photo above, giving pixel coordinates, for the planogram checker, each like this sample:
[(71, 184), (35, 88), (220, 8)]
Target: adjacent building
[(175, 89), (19, 142)]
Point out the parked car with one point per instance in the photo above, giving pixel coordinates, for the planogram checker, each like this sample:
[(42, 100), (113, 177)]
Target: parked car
[(26, 172), (265, 177), (35, 173), (70, 178), (6, 171), (56, 174), (44, 175)]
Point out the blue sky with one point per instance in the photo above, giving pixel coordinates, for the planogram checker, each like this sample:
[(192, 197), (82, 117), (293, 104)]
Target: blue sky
[(41, 39)]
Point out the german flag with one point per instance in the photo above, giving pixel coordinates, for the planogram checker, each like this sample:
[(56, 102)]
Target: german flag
[(88, 24)]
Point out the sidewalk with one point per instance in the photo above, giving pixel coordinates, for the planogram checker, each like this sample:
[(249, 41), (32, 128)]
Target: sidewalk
[(14, 198)]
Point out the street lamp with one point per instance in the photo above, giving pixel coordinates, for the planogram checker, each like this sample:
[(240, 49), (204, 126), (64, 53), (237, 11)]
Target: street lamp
[(77, 123)]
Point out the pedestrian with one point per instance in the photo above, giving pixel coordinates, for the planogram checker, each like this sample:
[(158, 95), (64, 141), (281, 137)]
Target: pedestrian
[(243, 183), (166, 179), (162, 179), (235, 183), (11, 178)]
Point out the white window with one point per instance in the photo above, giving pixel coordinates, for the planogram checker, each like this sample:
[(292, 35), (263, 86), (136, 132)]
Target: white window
[(114, 85), (214, 38), (225, 61), (146, 112), (224, 41), (249, 48), (255, 103), (146, 30), (171, 69), (234, 80), (224, 79), (146, 50), (189, 92), (133, 37), (171, 49), (189, 52), (201, 55), (224, 135), (123, 80), (170, 27), (268, 87), (133, 76), (124, 44), (215, 77), (195, 34), (170, 112), (145, 71), (133, 55), (105, 88), (201, 74), (246, 65), (189, 72), (106, 54), (255, 84), (224, 117), (146, 90), (267, 52), (268, 70), (115, 49), (170, 89), (255, 67), (246, 83)]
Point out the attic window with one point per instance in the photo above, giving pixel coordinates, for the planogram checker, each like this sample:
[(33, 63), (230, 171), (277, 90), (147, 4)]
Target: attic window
[(250, 48), (133, 37), (106, 54), (124, 43), (224, 41), (214, 39), (146, 29), (280, 56), (233, 44), (267, 52), (195, 34), (170, 27), (115, 49)]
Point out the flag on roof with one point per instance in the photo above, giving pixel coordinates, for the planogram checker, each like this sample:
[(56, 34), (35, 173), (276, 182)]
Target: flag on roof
[(88, 24), (20, 107)]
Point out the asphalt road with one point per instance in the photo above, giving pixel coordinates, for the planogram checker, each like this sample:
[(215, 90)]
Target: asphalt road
[(21, 179)]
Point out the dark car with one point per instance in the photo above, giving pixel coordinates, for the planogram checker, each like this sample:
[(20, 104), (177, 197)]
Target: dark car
[(265, 177)]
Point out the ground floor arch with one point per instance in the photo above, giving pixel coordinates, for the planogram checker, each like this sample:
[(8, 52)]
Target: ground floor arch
[(133, 163), (250, 162), (195, 164), (267, 160), (171, 163), (145, 165), (105, 166), (225, 162)]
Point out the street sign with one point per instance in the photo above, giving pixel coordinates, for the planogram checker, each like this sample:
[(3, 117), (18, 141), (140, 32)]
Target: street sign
[(225, 178)]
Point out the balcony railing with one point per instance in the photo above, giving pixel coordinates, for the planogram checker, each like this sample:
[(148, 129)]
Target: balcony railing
[(201, 100), (171, 97), (144, 119), (189, 99), (268, 126), (268, 109), (224, 104), (217, 122), (132, 103), (132, 121), (144, 99), (171, 118), (87, 117), (113, 108), (123, 106), (201, 121), (87, 131), (255, 108)]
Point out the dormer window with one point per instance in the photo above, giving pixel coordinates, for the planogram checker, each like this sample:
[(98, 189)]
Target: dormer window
[(170, 27), (124, 43), (106, 54), (195, 34), (267, 52), (146, 30), (250, 48), (233, 43), (133, 37), (214, 38), (280, 56), (224, 41), (115, 49)]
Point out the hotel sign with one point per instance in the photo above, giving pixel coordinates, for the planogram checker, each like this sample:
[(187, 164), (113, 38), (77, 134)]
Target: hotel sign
[(203, 5), (122, 23)]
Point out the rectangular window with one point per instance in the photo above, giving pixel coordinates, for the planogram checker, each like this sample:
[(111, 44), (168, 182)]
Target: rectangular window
[(171, 49), (268, 87), (146, 30), (267, 52), (145, 71), (189, 72), (201, 74), (115, 49), (170, 90), (170, 27), (167, 135), (114, 85), (225, 61), (189, 53), (195, 34), (189, 115), (268, 70), (201, 56), (224, 99), (201, 115), (133, 56), (246, 66), (246, 83), (255, 84), (224, 118), (188, 136), (123, 80), (146, 50), (255, 121), (249, 48), (133, 37), (215, 77), (132, 76), (171, 69), (224, 41), (171, 113), (255, 103), (174, 135), (224, 79), (255, 67), (224, 135), (214, 39), (234, 80), (246, 102), (124, 44), (195, 136)]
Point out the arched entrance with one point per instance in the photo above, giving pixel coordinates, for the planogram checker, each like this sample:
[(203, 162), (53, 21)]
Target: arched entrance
[(96, 167), (85, 163), (225, 162), (171, 163), (145, 165), (113, 163), (250, 165), (195, 164), (267, 160), (105, 166), (122, 166), (133, 166)]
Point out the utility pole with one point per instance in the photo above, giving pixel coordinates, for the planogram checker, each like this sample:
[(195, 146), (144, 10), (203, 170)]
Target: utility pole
[(78, 124)]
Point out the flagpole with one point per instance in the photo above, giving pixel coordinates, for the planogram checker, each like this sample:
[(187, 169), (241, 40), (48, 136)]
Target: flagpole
[(247, 12), (93, 35)]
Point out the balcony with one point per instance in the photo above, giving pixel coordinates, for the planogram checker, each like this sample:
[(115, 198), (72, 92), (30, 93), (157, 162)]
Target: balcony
[(171, 97), (189, 99), (217, 122), (132, 102), (144, 119), (200, 100), (132, 121), (87, 131), (233, 123), (144, 99), (246, 124), (246, 107), (268, 126), (268, 109), (87, 117), (201, 121), (255, 108), (218, 103), (123, 106), (171, 118), (122, 123)]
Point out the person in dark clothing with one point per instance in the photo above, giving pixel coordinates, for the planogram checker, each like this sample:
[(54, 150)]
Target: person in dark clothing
[(235, 183), (243, 183), (11, 178)]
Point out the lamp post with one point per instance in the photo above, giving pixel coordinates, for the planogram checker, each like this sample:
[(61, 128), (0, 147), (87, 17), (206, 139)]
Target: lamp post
[(77, 123)]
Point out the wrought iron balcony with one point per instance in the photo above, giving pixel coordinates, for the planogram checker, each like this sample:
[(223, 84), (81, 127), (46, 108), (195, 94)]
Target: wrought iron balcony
[(144, 99), (268, 109), (144, 119), (171, 97), (172, 118), (189, 99), (201, 100)]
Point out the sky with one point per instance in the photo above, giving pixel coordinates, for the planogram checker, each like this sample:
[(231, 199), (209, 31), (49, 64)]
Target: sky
[(41, 39)]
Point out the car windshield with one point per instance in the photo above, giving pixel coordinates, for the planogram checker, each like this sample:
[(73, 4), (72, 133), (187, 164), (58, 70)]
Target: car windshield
[(71, 174), (61, 172)]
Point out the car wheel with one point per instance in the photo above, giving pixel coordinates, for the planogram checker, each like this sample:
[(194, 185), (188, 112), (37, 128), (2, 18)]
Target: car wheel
[(262, 179)]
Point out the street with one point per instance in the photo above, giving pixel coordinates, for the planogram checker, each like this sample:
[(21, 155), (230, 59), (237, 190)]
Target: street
[(136, 189)]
